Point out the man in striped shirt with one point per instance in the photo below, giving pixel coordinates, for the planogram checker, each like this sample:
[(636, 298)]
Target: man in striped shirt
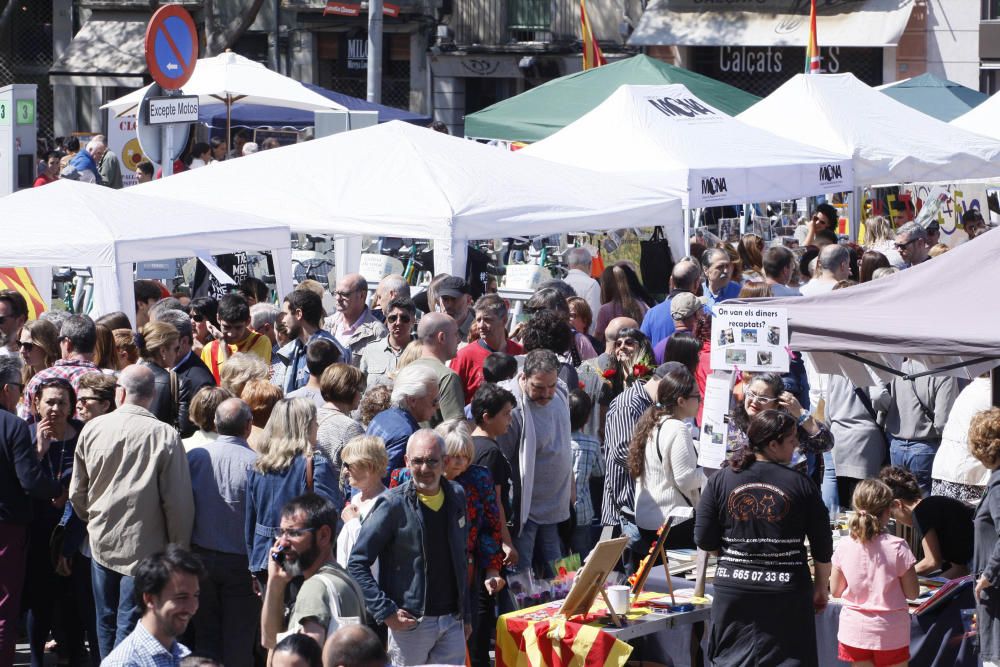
[(617, 510)]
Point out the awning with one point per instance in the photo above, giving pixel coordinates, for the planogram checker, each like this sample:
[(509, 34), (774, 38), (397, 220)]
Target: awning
[(858, 23), (106, 52)]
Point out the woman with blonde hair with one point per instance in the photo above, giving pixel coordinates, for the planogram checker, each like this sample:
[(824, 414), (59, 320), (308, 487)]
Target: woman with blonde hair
[(202, 414), (261, 396), (126, 349), (984, 443), (410, 354), (159, 344), (239, 369), (880, 236), (39, 345), (364, 461), (288, 466)]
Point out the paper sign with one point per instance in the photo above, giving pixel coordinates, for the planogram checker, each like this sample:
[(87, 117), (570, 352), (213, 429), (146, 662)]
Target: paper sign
[(714, 420), (750, 338)]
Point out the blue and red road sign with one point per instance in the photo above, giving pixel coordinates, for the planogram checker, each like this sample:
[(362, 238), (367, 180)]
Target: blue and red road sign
[(171, 46)]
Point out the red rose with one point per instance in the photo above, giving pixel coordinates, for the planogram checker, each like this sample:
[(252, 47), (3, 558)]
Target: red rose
[(608, 374), (641, 370)]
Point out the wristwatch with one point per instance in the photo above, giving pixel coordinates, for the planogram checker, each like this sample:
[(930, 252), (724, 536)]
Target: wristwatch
[(804, 417)]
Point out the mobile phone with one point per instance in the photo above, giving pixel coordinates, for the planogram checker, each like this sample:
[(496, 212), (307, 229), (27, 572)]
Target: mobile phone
[(279, 555)]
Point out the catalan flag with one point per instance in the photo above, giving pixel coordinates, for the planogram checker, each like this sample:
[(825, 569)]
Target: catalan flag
[(556, 642), (592, 54), (812, 51), (20, 280)]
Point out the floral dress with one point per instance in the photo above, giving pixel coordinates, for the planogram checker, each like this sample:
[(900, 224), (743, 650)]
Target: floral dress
[(484, 549)]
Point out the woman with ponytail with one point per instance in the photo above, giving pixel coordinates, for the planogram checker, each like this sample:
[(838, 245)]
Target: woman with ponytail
[(874, 573), (622, 295), (663, 461), (755, 514)]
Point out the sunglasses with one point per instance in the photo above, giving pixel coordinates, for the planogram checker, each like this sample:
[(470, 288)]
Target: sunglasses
[(198, 318), (430, 463), (344, 295), (26, 346), (902, 246), (405, 319)]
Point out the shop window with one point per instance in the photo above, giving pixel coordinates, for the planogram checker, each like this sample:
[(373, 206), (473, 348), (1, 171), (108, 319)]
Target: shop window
[(343, 65)]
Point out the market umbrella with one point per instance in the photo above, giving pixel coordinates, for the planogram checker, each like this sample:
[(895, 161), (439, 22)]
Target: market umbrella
[(539, 112), (230, 78), (939, 98)]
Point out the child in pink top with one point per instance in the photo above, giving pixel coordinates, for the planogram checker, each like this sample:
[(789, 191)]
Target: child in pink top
[(874, 575)]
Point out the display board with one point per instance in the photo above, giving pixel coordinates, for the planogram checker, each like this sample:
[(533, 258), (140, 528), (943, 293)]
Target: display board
[(590, 578)]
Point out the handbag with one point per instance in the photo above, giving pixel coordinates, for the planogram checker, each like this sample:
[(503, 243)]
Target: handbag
[(309, 473), (656, 262)]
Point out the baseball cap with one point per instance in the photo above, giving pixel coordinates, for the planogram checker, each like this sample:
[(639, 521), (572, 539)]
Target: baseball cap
[(684, 305), (452, 286)]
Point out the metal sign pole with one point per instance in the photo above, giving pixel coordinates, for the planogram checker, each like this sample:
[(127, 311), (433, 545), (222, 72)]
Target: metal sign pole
[(167, 141), (375, 21)]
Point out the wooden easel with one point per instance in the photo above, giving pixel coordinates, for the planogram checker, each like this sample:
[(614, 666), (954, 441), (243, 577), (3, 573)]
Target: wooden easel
[(656, 549)]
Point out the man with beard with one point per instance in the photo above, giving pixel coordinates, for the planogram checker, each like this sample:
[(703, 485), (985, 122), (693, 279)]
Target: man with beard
[(167, 583), (380, 358), (329, 597), (301, 313), (13, 315)]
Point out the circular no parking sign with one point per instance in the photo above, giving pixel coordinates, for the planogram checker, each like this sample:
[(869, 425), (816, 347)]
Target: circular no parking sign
[(171, 46)]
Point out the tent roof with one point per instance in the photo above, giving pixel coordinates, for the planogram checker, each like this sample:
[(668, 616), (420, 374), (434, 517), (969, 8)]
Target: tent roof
[(397, 179), (703, 155), (983, 119), (87, 225), (889, 141), (916, 313), (537, 113), (939, 98), (255, 115)]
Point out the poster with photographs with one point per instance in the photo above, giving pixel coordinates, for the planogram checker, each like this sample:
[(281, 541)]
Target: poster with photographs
[(762, 227), (729, 229), (750, 338), (715, 420)]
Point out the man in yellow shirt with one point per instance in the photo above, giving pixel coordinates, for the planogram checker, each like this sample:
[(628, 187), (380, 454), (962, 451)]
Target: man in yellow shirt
[(237, 336)]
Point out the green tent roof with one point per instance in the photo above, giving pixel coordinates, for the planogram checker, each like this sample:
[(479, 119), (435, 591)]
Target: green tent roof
[(539, 112), (938, 98)]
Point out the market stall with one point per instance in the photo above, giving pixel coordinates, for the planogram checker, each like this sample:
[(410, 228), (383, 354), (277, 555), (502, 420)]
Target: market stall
[(396, 179), (936, 97), (68, 223), (983, 119)]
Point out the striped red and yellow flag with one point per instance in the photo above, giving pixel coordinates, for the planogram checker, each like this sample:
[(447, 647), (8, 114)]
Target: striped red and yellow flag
[(592, 54), (557, 642), (19, 279), (812, 51)]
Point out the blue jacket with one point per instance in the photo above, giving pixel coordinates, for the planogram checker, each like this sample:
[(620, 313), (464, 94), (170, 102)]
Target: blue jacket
[(83, 161), (268, 492), (393, 534)]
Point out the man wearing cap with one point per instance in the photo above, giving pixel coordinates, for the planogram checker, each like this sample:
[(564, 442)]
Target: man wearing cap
[(684, 310), (658, 323), (353, 325), (973, 223), (911, 243), (453, 298)]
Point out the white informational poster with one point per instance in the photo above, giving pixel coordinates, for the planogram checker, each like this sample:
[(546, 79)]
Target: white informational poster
[(750, 338), (955, 199), (715, 419), (123, 141)]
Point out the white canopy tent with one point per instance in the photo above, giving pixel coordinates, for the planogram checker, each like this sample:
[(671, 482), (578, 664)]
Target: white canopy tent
[(108, 230), (397, 179), (702, 155), (983, 119), (888, 141)]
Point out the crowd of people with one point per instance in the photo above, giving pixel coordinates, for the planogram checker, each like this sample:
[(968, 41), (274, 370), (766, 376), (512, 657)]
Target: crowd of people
[(225, 477)]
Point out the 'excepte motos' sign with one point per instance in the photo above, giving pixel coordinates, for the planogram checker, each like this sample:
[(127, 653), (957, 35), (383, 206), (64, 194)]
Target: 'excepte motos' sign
[(164, 110), (750, 338)]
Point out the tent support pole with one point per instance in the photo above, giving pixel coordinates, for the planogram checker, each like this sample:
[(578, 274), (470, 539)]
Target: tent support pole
[(744, 219), (854, 212), (687, 231), (914, 376), (995, 382)]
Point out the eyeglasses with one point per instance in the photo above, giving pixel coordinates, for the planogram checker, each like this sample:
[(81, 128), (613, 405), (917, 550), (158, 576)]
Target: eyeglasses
[(902, 246), (88, 399), (405, 319), (344, 295), (430, 463), (760, 399), (695, 397), (293, 533), (26, 346), (197, 318)]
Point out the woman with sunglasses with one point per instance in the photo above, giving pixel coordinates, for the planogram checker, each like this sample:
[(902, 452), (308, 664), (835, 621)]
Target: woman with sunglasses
[(380, 358), (204, 312), (632, 360), (39, 345), (766, 391), (54, 435)]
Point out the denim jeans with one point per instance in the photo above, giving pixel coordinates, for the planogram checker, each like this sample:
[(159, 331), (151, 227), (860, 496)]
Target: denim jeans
[(544, 539), (829, 486), (227, 607), (915, 456), (117, 612), (435, 640)]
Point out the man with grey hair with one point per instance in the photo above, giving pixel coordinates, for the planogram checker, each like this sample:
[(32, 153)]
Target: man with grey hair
[(417, 532), (85, 162), (218, 481), (414, 399), (390, 287), (77, 340), (833, 265), (718, 285), (108, 165), (22, 482), (132, 487), (353, 325), (491, 317), (579, 262), (537, 444), (911, 243), (263, 317), (438, 334), (658, 324), (192, 372)]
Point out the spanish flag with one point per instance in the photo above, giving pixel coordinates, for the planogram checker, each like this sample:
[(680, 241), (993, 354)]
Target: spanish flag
[(812, 51), (20, 280), (592, 54)]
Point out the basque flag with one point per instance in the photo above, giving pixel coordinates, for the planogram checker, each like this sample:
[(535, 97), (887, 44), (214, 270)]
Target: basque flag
[(812, 51)]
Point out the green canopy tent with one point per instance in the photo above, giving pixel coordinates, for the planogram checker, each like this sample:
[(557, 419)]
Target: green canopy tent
[(938, 98), (539, 112)]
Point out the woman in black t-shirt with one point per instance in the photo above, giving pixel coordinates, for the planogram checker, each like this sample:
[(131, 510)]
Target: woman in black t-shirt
[(755, 514), (945, 524)]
